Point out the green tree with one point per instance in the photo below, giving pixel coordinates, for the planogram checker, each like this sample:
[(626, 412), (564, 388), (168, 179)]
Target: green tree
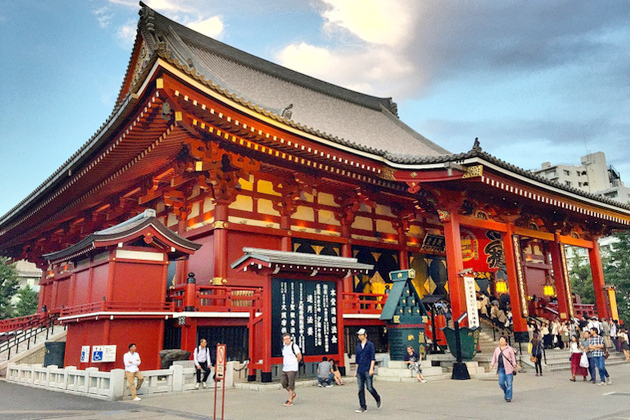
[(581, 277), (27, 305), (8, 287), (616, 265)]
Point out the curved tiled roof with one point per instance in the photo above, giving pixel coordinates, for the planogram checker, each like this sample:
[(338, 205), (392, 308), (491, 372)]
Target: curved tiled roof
[(121, 232), (357, 120), (476, 152)]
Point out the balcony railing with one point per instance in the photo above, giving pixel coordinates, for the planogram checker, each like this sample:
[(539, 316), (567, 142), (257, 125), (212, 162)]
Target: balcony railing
[(105, 306), (218, 298), (363, 303)]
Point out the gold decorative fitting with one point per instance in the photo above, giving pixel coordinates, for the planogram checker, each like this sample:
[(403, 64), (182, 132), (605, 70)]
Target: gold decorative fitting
[(220, 225), (388, 173), (159, 83), (444, 216), (218, 281), (413, 174), (473, 171)]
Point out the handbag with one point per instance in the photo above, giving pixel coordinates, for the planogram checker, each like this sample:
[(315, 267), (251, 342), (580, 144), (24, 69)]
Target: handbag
[(510, 362), (584, 360), (534, 359), (606, 354)]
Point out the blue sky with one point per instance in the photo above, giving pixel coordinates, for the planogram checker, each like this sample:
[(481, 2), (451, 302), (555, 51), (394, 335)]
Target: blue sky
[(535, 81)]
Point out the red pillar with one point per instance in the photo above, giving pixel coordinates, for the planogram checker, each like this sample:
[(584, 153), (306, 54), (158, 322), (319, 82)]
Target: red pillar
[(598, 281), (454, 263), (515, 285), (559, 281), (346, 251), (220, 244), (286, 242), (266, 327)]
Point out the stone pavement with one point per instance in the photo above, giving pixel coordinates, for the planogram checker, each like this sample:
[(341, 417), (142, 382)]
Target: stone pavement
[(552, 396)]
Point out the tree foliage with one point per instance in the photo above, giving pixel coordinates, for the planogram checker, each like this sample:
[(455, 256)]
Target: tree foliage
[(27, 303), (616, 265), (581, 278), (9, 286)]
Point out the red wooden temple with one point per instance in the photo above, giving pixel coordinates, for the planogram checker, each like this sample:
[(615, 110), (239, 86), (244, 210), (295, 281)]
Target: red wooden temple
[(231, 151)]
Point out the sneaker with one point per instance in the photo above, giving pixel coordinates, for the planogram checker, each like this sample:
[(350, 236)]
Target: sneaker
[(508, 400), (137, 399), (601, 383), (329, 386), (424, 381), (288, 403), (360, 410), (320, 385), (204, 385), (379, 404), (197, 385), (608, 381)]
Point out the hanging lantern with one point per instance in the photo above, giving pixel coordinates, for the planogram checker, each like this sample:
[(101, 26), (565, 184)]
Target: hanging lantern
[(548, 290), (501, 286)]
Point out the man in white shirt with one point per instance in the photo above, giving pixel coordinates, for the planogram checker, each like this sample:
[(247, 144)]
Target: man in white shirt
[(291, 356), (132, 371), (203, 361)]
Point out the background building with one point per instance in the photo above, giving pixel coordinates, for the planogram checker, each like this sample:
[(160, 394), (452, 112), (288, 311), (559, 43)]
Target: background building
[(592, 175)]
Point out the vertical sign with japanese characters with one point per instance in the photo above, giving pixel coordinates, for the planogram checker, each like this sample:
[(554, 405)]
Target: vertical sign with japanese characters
[(306, 309), (471, 301)]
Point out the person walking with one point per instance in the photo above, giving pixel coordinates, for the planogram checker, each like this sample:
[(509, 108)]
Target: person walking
[(576, 356), (365, 357), (537, 353), (291, 356), (203, 361), (132, 371), (597, 346), (585, 348), (505, 360)]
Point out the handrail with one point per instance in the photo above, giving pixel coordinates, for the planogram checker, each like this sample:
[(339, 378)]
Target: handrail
[(36, 324), (12, 324)]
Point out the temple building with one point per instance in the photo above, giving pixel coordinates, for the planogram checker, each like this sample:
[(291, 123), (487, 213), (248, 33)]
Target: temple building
[(278, 202)]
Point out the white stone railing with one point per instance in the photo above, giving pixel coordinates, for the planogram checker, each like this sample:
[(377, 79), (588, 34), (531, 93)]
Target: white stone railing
[(108, 385)]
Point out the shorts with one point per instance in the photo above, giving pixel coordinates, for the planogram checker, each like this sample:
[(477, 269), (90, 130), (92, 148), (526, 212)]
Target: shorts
[(288, 379)]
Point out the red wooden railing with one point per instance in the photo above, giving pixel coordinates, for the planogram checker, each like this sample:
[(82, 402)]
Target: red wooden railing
[(105, 306), (19, 323), (363, 303), (219, 298)]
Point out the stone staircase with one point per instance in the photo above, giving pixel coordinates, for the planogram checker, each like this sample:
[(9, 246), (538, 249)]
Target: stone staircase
[(557, 360), (436, 367), (33, 351)]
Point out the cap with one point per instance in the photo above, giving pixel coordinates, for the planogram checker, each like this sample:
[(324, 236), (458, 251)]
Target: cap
[(361, 331)]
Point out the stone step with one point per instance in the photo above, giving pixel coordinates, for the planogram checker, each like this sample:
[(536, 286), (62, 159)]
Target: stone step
[(399, 364), (407, 373)]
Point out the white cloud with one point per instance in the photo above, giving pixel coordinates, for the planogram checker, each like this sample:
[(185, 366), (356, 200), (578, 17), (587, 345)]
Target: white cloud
[(373, 21), (127, 33), (374, 70), (180, 6), (212, 27), (103, 16), (379, 65)]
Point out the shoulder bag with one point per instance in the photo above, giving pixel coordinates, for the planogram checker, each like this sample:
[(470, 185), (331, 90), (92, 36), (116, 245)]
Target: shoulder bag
[(510, 362)]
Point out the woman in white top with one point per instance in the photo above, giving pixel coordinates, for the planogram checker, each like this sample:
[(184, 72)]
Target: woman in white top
[(576, 355)]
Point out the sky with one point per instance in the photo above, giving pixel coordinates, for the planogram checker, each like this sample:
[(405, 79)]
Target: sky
[(536, 81)]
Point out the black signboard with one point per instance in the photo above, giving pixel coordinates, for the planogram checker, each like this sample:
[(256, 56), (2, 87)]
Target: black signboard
[(306, 309)]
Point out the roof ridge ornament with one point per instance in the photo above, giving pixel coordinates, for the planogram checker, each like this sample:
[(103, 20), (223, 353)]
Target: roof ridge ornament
[(476, 146)]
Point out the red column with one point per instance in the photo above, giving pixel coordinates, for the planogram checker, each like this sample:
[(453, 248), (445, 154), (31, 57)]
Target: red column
[(266, 327), (220, 244), (598, 281), (559, 281), (514, 270), (285, 242), (346, 251), (454, 263)]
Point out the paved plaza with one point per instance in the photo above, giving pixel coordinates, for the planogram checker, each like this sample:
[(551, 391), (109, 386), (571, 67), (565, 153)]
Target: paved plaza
[(552, 396)]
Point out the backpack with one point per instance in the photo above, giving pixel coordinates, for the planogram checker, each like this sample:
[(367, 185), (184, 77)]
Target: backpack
[(301, 361)]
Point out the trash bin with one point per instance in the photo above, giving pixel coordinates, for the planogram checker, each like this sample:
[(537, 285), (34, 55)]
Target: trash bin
[(55, 352)]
